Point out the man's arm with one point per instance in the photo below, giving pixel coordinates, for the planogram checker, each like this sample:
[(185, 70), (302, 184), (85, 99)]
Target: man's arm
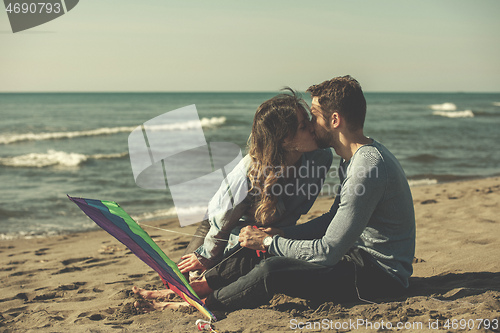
[(318, 163), (359, 197), (315, 228)]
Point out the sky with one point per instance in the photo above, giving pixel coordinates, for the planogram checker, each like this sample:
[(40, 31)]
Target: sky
[(227, 45)]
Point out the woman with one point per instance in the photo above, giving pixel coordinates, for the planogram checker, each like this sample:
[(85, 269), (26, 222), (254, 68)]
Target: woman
[(272, 186)]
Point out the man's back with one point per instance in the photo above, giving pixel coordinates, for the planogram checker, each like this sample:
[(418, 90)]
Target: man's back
[(389, 235)]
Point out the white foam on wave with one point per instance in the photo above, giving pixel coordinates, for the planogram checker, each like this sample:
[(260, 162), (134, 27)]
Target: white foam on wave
[(454, 114), (155, 214), (53, 158), (420, 182), (107, 156), (443, 107), (47, 230), (25, 235), (205, 122), (11, 138), (496, 103), (170, 212)]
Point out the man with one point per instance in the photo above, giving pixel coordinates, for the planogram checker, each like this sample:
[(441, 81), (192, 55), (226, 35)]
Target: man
[(364, 246)]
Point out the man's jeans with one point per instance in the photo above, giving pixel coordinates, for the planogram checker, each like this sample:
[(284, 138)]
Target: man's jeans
[(348, 280)]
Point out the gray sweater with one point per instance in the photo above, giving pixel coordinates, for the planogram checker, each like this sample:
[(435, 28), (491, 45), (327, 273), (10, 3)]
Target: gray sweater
[(373, 211)]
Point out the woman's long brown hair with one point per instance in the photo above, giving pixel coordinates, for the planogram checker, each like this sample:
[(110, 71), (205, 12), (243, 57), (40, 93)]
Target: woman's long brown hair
[(274, 121)]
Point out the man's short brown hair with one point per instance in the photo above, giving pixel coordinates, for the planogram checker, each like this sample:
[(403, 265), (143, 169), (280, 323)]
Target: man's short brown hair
[(342, 94)]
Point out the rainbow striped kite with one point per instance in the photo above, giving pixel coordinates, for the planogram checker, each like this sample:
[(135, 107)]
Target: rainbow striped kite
[(112, 218)]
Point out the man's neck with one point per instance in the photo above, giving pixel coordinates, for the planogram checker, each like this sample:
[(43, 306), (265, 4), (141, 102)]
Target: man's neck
[(349, 143)]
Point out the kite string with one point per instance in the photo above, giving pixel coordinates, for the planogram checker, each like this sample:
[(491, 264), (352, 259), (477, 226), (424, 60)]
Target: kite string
[(178, 232), (184, 233), (208, 270)]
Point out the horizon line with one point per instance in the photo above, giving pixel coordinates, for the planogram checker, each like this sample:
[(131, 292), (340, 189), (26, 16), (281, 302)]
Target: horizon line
[(236, 92)]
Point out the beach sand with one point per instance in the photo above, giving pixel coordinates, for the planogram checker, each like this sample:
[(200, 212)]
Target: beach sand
[(82, 282)]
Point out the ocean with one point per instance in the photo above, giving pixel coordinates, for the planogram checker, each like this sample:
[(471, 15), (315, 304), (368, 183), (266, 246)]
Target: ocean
[(53, 144)]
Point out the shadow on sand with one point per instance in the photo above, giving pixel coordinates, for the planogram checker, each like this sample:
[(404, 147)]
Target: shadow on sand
[(453, 286)]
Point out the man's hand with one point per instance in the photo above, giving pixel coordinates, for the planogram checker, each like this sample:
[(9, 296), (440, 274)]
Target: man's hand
[(273, 231), (190, 263), (252, 238)]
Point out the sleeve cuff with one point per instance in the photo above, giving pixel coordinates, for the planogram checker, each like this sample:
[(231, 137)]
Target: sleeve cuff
[(207, 263), (272, 249)]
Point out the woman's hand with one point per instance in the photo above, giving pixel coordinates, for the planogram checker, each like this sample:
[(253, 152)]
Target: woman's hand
[(190, 262)]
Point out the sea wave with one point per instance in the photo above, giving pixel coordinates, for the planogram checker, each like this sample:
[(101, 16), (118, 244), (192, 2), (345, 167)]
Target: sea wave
[(47, 231), (54, 158), (26, 235), (443, 107), (54, 230), (13, 138), (454, 114), (496, 103), (169, 212), (423, 158), (481, 113), (421, 182), (431, 178), (183, 126)]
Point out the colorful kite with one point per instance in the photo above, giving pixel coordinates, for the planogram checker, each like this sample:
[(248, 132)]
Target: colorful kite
[(112, 218)]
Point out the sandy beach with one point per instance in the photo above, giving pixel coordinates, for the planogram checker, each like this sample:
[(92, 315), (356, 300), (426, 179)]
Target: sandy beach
[(82, 282)]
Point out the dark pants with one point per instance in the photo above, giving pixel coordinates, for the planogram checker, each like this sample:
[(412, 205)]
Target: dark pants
[(227, 271), (246, 281), (298, 278), (234, 267)]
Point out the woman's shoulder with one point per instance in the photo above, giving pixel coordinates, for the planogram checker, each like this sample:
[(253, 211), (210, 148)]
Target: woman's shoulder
[(237, 173), (242, 166)]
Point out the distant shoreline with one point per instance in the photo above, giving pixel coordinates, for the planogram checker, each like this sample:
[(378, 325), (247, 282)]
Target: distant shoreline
[(237, 92)]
